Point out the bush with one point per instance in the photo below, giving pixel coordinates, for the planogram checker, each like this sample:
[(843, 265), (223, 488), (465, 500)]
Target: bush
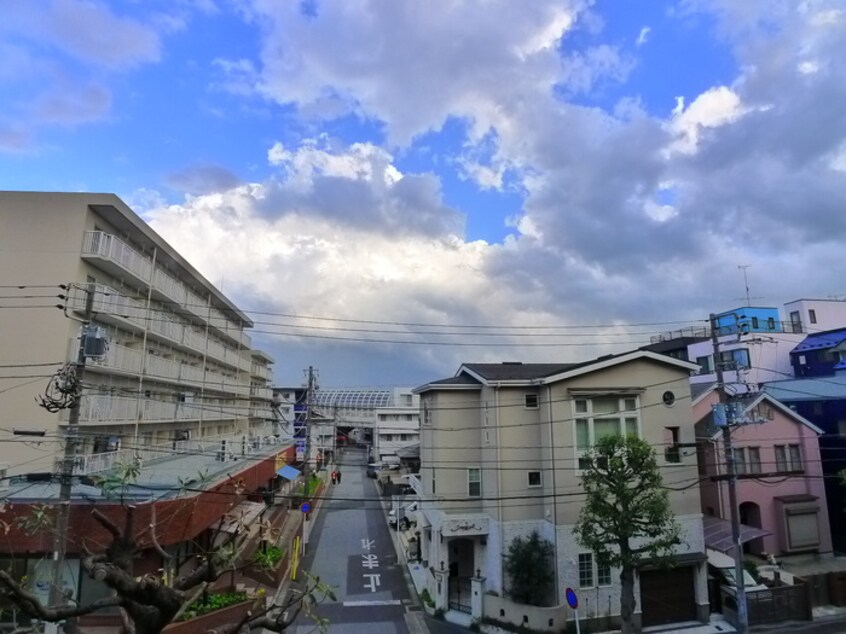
[(269, 558), (211, 603), (426, 598)]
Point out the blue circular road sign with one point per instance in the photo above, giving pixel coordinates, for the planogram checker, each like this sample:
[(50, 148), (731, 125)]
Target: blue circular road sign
[(305, 507), (572, 599)]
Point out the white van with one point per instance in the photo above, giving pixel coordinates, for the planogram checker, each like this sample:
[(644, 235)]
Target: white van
[(721, 567), (403, 512)]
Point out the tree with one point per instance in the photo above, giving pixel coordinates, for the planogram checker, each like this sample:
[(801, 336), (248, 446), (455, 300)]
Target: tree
[(626, 517), (149, 603), (528, 564)]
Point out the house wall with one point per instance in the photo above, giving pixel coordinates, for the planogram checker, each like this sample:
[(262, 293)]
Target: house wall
[(449, 446), (829, 313), (655, 419)]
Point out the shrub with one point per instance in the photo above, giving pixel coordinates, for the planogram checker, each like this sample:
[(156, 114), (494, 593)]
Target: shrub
[(269, 558), (211, 603), (426, 598)]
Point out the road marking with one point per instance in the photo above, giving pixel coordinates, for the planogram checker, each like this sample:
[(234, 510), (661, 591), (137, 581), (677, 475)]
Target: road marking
[(364, 604)]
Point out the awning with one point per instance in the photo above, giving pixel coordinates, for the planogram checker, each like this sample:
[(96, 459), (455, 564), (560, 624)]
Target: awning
[(242, 516), (718, 533), (288, 472)]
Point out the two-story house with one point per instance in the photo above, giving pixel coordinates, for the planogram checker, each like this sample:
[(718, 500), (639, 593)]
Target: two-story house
[(780, 489), (502, 448)]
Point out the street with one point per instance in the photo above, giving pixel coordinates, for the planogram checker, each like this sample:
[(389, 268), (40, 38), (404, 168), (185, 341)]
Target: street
[(351, 550)]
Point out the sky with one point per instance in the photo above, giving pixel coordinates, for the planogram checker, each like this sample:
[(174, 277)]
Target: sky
[(391, 188)]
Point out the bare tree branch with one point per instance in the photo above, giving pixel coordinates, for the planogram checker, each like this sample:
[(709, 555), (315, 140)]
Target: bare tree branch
[(33, 606)]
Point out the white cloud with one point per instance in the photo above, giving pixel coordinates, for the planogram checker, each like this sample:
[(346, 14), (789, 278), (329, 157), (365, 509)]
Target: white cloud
[(713, 108), (643, 36)]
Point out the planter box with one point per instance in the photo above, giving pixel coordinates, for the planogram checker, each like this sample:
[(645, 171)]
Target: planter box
[(204, 623)]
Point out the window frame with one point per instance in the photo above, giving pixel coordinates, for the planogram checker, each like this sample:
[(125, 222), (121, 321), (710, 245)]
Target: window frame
[(584, 568), (812, 315), (588, 416), (531, 396), (470, 481), (529, 479), (788, 458)]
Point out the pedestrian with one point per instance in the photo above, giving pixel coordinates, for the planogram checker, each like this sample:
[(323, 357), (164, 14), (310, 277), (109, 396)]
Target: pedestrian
[(338, 476), (334, 476)]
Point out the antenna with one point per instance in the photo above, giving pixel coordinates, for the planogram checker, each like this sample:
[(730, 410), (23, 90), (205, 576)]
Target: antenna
[(748, 298)]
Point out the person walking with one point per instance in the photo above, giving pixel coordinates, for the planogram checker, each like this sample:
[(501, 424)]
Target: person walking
[(338, 476), (334, 476)]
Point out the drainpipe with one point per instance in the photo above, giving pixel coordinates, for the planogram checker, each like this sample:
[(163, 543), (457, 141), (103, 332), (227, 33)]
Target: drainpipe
[(552, 477), (139, 412), (499, 490)]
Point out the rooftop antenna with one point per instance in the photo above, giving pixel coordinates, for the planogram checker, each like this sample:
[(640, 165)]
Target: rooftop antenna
[(743, 268)]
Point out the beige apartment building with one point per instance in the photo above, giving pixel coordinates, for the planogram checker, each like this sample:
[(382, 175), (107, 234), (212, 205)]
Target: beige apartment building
[(501, 453), (178, 368)]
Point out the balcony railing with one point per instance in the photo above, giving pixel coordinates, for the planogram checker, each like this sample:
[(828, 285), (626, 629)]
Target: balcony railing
[(210, 446), (105, 409), (169, 286), (109, 247), (119, 358)]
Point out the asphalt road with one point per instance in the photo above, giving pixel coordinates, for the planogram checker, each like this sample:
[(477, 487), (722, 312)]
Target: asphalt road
[(351, 550)]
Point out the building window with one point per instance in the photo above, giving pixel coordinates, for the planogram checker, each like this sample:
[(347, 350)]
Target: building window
[(672, 452), (755, 323), (753, 462), (733, 359), (535, 478), (795, 321), (788, 458), (739, 461), (427, 415), (704, 364), (531, 401), (474, 482), (603, 575), (812, 316), (603, 416), (770, 323), (585, 570), (433, 483)]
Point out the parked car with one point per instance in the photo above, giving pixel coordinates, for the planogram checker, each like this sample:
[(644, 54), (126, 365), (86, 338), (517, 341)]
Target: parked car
[(403, 513), (373, 471)]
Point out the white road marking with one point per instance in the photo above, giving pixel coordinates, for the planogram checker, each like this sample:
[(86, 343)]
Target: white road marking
[(365, 604)]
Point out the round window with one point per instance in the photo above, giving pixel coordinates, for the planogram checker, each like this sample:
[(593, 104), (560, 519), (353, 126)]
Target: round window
[(669, 398)]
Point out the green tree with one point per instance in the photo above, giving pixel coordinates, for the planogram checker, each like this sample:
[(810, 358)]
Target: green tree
[(528, 564), (626, 517)]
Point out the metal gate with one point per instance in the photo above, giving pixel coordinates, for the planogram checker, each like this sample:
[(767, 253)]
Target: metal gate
[(459, 594)]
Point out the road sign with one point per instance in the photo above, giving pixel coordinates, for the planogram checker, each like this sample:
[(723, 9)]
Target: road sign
[(572, 599), (305, 507)]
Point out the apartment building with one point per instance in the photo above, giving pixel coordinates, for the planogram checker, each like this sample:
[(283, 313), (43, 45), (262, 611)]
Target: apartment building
[(178, 365), (501, 452)]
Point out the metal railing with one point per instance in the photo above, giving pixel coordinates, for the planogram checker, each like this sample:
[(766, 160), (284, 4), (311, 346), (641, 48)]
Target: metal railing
[(239, 445), (104, 409), (110, 247)]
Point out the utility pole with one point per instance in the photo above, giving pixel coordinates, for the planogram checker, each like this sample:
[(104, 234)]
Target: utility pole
[(309, 406), (69, 459), (742, 617)]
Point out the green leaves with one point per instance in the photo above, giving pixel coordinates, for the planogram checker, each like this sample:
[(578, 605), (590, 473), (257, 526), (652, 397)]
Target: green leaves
[(627, 515), (528, 564)]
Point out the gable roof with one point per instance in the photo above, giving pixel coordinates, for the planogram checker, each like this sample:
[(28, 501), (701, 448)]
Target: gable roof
[(474, 375), (705, 425), (824, 388)]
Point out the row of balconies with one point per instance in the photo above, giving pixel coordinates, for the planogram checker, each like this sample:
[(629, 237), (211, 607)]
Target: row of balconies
[(111, 304), (123, 359), (260, 371), (105, 409), (105, 246), (187, 449)]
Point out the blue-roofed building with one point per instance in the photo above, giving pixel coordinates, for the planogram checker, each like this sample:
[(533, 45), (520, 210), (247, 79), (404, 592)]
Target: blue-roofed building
[(820, 354)]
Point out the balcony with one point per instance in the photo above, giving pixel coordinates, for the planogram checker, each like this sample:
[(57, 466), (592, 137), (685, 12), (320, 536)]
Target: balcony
[(113, 255), (118, 359), (167, 287), (107, 409), (188, 451), (110, 305)]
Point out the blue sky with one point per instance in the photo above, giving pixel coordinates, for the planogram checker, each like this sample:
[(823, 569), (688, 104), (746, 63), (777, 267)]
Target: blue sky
[(554, 163)]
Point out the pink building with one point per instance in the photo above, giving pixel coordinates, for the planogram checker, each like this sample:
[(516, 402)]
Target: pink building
[(781, 490)]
